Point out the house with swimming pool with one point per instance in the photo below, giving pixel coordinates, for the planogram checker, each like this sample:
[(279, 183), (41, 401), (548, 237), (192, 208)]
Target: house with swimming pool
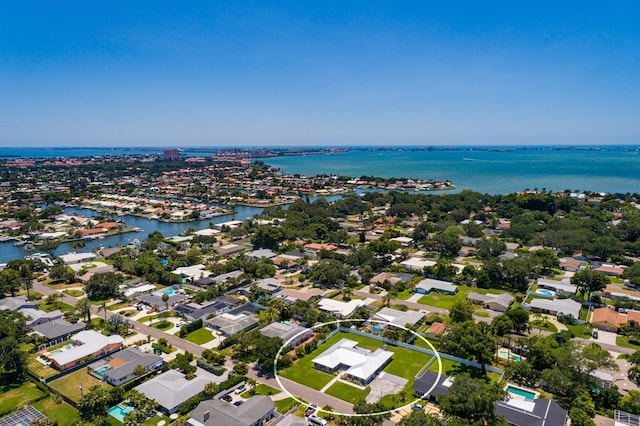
[(119, 368), (521, 407), (84, 345), (394, 317), (428, 285)]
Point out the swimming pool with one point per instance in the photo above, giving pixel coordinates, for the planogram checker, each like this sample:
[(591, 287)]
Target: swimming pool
[(100, 371), (170, 291), (57, 351), (545, 292), (377, 329), (528, 395), (508, 355), (119, 411)]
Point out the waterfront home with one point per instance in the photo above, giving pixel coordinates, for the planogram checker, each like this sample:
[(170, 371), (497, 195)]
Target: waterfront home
[(228, 225), (428, 285), (230, 249), (358, 364), (86, 344), (255, 411), (497, 302), (72, 258)]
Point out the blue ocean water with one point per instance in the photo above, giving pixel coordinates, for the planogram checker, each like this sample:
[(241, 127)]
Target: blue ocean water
[(484, 170), (493, 172)]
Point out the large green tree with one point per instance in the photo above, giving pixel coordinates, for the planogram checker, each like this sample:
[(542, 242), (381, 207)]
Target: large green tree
[(103, 286), (472, 400)]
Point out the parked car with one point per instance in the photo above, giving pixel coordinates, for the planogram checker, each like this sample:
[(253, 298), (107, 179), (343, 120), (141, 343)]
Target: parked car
[(238, 403), (417, 407), (595, 334), (152, 310), (240, 389), (227, 398)]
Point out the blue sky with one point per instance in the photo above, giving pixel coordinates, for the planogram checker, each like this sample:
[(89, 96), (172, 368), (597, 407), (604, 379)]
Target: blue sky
[(223, 73)]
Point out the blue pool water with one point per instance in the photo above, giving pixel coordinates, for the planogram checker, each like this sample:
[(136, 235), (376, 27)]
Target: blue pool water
[(528, 395), (377, 329), (170, 291), (119, 411), (100, 371), (545, 292), (57, 351)]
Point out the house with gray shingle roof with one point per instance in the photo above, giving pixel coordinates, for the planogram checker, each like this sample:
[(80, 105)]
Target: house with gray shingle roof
[(58, 329), (171, 389), (497, 302), (256, 410)]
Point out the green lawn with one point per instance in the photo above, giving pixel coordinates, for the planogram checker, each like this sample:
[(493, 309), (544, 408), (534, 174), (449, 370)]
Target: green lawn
[(59, 411), (39, 369), (481, 313), (153, 421), (445, 301), (147, 318), (48, 307), (624, 342), (261, 389), (199, 336), (347, 392), (74, 293), (405, 363), (284, 405), (69, 385), (162, 325), (119, 305), (17, 395), (580, 330), (543, 325), (452, 368)]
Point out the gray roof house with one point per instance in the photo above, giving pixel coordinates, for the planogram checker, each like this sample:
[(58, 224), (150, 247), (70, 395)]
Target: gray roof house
[(119, 367), (557, 306), (260, 254), (238, 319), (255, 411), (497, 302), (270, 285), (58, 329), (18, 302), (35, 317), (397, 317), (194, 311), (171, 389), (287, 331), (428, 285)]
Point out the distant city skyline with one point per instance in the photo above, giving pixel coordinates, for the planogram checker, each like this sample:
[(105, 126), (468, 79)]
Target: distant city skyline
[(166, 74)]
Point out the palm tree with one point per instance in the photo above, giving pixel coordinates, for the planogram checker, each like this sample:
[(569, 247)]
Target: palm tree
[(84, 308), (165, 299), (347, 292)]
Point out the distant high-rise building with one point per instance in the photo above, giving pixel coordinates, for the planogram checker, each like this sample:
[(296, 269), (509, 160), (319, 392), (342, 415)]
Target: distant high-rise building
[(171, 154)]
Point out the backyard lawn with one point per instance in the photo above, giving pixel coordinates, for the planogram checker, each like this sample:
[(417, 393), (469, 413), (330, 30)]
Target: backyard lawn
[(543, 325), (69, 385), (39, 369), (261, 389), (452, 368), (74, 293), (445, 301), (200, 336), (284, 405), (347, 392), (59, 411), (163, 325), (16, 395)]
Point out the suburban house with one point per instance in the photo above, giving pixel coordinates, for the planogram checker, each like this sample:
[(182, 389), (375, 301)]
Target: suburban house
[(255, 411), (397, 318), (435, 330), (557, 307), (171, 389), (404, 241), (611, 320), (618, 292), (359, 364), (36, 317), (155, 299), (497, 302), (238, 319), (217, 280), (260, 254), (228, 225), (119, 368), (291, 295), (16, 303), (193, 272), (194, 311), (569, 264), (391, 277), (315, 248), (428, 285), (72, 258), (269, 285), (230, 249), (517, 411), (563, 287), (58, 329), (338, 308), (86, 344), (610, 269), (285, 261), (286, 331), (416, 263)]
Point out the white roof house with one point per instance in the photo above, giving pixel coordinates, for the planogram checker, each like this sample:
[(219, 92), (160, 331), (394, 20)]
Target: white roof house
[(207, 232), (360, 364), (193, 272), (398, 318), (417, 264), (90, 343), (557, 306), (338, 308), (71, 258), (130, 291)]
